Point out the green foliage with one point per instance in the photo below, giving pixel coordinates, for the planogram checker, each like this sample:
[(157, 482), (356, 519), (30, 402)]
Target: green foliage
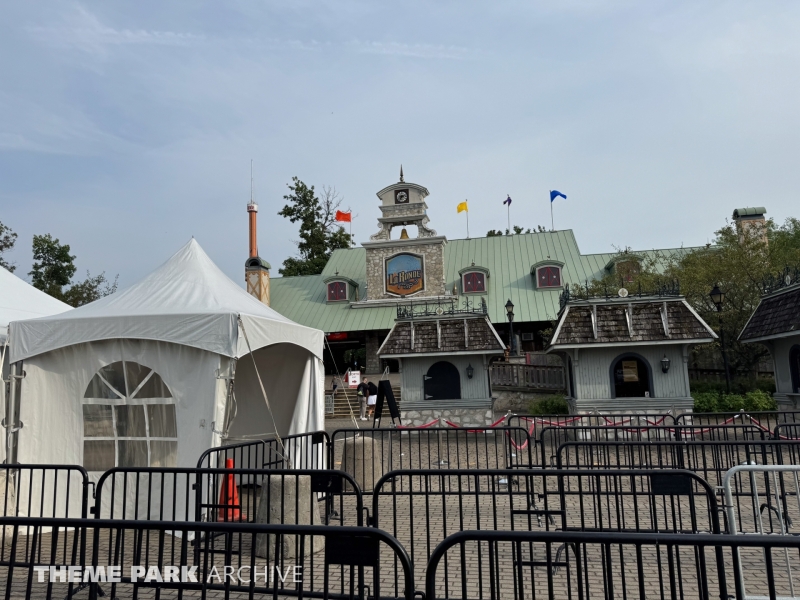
[(53, 265), (53, 269), (319, 234), (554, 404), (753, 401), (7, 240), (516, 230), (89, 290), (739, 385)]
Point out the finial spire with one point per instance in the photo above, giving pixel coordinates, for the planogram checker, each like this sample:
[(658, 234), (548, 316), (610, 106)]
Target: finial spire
[(401, 174)]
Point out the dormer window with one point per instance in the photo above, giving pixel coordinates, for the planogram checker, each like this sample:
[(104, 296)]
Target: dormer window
[(337, 291), (339, 288), (474, 280), (547, 274)]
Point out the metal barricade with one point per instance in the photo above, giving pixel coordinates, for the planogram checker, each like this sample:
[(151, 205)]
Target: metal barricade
[(526, 564), (765, 499), (766, 420), (302, 451), (149, 557), (369, 453), (58, 491)]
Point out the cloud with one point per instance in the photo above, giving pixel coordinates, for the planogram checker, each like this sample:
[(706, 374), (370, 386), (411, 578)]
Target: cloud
[(410, 50), (83, 30)]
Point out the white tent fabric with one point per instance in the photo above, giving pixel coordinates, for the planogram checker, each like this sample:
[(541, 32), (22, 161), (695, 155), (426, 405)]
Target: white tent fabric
[(186, 323), (188, 300), (20, 300)]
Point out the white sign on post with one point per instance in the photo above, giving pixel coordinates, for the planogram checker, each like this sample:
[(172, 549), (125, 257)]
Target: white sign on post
[(353, 379)]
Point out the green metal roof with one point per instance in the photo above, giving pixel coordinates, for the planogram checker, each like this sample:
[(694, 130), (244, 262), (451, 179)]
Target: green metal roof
[(508, 258)]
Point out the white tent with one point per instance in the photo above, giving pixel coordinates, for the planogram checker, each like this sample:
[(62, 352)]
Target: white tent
[(20, 300), (141, 377)]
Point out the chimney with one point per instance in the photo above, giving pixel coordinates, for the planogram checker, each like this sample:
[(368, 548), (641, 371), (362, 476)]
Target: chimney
[(751, 222), (256, 270)]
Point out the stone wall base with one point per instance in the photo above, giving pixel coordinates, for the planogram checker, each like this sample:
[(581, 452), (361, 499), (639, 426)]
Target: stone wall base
[(631, 406), (462, 416)]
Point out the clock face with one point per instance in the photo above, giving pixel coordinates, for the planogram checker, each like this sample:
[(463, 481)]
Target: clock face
[(401, 197)]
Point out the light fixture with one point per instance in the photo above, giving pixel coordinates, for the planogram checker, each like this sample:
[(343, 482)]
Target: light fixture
[(664, 364), (470, 371), (717, 297), (510, 310)]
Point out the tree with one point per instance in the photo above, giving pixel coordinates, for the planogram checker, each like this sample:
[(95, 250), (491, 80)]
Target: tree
[(53, 269), (7, 240), (53, 265), (319, 234)]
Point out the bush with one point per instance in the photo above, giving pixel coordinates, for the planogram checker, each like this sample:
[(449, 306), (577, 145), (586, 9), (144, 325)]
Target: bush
[(738, 385), (753, 401), (549, 405)]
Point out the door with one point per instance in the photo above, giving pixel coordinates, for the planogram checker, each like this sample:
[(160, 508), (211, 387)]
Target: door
[(442, 382)]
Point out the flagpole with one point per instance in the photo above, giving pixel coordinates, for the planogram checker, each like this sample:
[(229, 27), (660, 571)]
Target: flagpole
[(509, 217), (552, 227), (467, 211)]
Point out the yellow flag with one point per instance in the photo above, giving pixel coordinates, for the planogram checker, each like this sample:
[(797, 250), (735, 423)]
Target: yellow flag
[(462, 207)]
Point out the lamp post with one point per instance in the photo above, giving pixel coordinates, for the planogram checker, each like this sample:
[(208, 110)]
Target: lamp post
[(718, 297), (510, 315)]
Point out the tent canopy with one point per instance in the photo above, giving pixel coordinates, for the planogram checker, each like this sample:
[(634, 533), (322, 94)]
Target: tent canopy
[(20, 300), (188, 300)]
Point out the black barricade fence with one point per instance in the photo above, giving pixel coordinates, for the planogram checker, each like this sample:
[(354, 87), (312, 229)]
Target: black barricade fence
[(139, 559), (301, 496), (708, 459), (766, 420), (422, 507), (550, 438), (43, 491), (301, 451), (582, 565), (786, 431), (369, 453)]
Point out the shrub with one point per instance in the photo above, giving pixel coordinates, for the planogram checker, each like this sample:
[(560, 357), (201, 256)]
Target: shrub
[(753, 401), (738, 385), (549, 405)]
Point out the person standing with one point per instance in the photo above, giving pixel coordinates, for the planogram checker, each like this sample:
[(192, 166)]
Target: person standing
[(363, 392), (372, 399)]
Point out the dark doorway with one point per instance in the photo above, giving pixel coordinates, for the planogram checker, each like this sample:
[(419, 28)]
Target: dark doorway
[(442, 382), (794, 368), (630, 377)]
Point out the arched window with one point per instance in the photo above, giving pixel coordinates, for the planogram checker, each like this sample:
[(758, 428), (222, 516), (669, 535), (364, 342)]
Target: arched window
[(630, 377), (547, 277), (129, 419), (794, 368)]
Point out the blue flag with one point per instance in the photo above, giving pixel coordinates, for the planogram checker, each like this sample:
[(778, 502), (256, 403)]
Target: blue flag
[(555, 194), (507, 201)]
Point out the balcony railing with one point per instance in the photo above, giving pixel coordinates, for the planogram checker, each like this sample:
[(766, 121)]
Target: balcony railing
[(527, 377)]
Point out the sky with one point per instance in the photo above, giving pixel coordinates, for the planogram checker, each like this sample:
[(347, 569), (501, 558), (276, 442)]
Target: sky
[(126, 128)]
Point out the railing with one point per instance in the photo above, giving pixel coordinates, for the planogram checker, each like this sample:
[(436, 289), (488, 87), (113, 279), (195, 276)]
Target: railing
[(529, 377)]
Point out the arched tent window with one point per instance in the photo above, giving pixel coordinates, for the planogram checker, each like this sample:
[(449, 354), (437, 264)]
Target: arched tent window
[(631, 377), (794, 367), (129, 419)]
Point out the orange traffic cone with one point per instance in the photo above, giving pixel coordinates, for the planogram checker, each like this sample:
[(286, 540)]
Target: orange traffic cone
[(229, 496)]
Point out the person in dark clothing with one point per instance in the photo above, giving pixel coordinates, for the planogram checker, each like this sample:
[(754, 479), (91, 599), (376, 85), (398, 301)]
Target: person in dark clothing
[(363, 392)]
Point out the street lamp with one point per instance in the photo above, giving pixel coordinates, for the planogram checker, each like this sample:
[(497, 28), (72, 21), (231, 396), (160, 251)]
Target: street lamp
[(718, 298), (510, 315)]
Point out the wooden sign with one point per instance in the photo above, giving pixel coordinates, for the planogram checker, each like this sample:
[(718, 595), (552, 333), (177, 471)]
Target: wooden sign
[(404, 274), (630, 370)]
